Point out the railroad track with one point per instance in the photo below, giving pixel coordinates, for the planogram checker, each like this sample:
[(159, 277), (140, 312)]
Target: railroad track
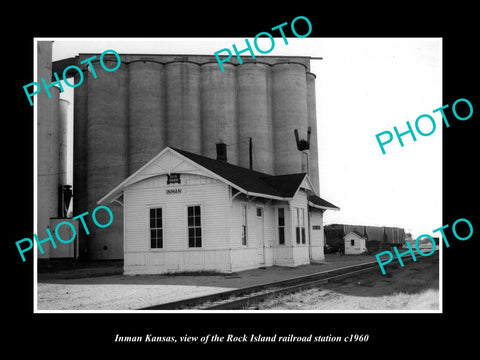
[(248, 296)]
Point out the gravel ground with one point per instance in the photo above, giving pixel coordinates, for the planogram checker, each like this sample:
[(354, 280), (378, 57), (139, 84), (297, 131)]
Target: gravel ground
[(413, 287), (61, 290)]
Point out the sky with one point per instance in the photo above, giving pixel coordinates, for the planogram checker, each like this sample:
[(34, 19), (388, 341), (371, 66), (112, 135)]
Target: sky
[(364, 86)]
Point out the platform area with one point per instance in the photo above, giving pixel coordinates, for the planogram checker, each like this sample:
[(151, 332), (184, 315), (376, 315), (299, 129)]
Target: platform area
[(103, 287)]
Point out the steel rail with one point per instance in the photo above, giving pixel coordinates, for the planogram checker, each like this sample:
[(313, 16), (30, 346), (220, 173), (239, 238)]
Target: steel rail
[(255, 293), (242, 303), (256, 298)]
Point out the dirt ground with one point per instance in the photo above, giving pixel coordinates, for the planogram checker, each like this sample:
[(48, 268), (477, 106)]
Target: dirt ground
[(101, 286)]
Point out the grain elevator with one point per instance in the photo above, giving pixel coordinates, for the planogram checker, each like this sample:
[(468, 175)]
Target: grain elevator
[(124, 118)]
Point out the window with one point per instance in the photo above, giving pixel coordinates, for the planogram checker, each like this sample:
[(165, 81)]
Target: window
[(352, 242), (244, 225), (300, 225), (156, 228), (259, 211), (194, 226), (281, 226)]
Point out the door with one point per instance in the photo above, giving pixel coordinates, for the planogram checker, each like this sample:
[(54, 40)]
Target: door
[(259, 235)]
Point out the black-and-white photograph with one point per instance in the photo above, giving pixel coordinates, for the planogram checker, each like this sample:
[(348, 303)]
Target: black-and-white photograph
[(203, 179), (170, 178)]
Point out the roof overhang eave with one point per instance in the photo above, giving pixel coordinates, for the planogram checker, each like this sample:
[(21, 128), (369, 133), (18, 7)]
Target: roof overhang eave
[(323, 207), (266, 196)]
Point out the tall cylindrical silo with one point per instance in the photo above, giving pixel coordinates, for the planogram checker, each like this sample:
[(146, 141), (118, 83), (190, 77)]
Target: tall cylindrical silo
[(183, 106), (146, 106), (219, 110), (312, 122), (254, 116), (107, 154), (289, 113), (47, 165), (80, 118), (47, 158), (63, 141)]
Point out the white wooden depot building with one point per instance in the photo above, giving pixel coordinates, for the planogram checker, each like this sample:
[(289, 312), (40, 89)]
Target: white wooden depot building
[(186, 212)]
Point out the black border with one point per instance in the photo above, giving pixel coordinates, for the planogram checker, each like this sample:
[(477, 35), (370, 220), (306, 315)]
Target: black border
[(89, 333)]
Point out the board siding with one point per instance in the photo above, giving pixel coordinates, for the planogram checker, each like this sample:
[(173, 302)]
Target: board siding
[(212, 197)]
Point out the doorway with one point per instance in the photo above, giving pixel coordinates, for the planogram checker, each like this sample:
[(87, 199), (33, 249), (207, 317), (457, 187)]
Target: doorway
[(260, 234)]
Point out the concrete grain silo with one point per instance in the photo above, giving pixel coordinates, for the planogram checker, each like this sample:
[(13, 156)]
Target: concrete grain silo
[(183, 98), (289, 113), (123, 118), (146, 112), (63, 137), (254, 116), (80, 118), (312, 122), (219, 110), (48, 165), (48, 146), (107, 136)]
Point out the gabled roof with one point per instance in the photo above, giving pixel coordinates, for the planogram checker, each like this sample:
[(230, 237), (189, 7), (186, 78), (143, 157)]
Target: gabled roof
[(282, 186), (249, 182), (356, 233)]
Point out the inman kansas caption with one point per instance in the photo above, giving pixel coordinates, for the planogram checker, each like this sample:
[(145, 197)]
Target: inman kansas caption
[(146, 338)]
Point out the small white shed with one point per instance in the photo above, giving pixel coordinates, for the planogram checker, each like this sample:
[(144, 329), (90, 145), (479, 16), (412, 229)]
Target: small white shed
[(355, 243)]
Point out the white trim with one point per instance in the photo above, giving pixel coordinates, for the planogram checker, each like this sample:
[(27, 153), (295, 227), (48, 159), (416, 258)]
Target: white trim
[(148, 238), (202, 228), (118, 202), (244, 214), (354, 233), (299, 187), (266, 196), (232, 197), (311, 185), (257, 218), (109, 194)]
